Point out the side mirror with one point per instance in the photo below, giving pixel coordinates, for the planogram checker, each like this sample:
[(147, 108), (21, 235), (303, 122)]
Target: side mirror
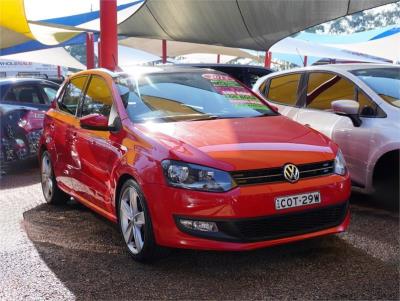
[(95, 122), (349, 108)]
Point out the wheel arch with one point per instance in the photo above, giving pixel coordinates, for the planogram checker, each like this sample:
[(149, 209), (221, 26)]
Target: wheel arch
[(385, 160)]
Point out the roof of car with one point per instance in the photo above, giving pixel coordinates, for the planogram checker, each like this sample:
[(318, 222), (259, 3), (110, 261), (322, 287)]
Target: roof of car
[(336, 67), (10, 80), (145, 70), (204, 65)]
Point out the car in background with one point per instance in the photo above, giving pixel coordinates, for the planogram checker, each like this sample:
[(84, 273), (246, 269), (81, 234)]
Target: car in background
[(190, 158), (32, 92), (22, 106), (247, 74), (20, 130), (357, 106)]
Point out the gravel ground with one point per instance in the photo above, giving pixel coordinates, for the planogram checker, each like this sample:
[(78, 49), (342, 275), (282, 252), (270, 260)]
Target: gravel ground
[(69, 252)]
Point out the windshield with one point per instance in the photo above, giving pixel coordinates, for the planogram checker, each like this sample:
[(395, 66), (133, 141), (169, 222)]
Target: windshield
[(182, 96), (384, 81)]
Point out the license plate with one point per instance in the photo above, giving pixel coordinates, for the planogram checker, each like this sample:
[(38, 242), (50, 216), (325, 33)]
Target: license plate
[(297, 200)]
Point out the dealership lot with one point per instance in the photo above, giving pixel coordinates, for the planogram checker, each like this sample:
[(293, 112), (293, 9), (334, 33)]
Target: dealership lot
[(69, 252)]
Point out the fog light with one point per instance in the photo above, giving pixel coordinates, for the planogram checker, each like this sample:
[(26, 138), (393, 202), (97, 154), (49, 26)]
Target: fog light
[(199, 225)]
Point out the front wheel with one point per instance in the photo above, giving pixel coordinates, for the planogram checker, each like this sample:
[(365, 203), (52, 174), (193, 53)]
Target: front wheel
[(135, 223), (52, 194)]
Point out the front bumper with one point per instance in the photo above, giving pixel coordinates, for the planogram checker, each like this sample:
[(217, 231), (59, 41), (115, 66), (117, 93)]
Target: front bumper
[(246, 216)]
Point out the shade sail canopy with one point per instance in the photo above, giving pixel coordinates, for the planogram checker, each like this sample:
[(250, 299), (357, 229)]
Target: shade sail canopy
[(130, 57), (387, 47), (235, 23), (52, 22), (52, 56), (305, 48), (181, 48)]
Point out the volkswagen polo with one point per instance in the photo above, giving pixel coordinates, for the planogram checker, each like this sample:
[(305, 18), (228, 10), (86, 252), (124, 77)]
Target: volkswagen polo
[(190, 158)]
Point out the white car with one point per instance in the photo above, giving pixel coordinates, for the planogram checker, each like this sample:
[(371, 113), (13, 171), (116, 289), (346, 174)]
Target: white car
[(357, 106)]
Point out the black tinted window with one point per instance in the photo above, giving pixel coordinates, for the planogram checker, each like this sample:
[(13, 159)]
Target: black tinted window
[(24, 93)]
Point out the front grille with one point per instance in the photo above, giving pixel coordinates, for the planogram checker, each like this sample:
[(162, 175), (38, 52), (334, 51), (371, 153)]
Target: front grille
[(283, 225), (274, 175)]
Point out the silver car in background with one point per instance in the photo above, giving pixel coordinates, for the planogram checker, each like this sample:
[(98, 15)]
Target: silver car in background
[(357, 106)]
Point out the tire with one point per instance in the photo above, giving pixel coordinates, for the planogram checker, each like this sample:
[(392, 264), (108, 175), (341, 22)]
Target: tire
[(52, 194), (387, 183), (135, 223)]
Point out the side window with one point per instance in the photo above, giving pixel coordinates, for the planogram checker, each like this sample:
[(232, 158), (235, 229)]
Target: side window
[(24, 93), (98, 99), (323, 88), (49, 93), (283, 89), (73, 92)]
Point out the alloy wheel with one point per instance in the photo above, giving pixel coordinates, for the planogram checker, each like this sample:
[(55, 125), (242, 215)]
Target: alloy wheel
[(132, 219), (47, 178)]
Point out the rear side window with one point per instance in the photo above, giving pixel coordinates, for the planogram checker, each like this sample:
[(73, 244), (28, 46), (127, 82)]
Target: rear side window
[(283, 89), (73, 92), (24, 93), (98, 99), (323, 88)]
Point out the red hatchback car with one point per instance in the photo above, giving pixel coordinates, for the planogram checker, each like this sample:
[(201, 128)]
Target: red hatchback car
[(190, 158)]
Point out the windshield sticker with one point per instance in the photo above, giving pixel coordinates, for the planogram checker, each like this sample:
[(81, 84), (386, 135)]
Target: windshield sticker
[(234, 92), (241, 98)]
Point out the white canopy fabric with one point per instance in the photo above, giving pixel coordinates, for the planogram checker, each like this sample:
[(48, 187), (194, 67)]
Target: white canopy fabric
[(245, 24), (53, 56), (174, 48), (387, 47), (130, 57), (303, 48)]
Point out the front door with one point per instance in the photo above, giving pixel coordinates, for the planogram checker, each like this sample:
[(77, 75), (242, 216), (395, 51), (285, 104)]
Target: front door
[(355, 142), (61, 124), (97, 151)]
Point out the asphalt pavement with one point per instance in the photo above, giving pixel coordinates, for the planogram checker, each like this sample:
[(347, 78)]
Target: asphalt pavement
[(68, 252)]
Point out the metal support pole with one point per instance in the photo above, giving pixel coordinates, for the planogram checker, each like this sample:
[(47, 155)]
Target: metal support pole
[(164, 51), (89, 50), (108, 34), (218, 58), (305, 61), (267, 61)]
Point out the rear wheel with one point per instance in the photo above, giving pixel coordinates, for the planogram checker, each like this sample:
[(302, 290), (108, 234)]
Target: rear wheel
[(135, 223), (52, 194)]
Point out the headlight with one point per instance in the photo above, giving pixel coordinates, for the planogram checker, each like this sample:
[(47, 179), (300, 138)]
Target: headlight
[(196, 177), (22, 122), (340, 164)]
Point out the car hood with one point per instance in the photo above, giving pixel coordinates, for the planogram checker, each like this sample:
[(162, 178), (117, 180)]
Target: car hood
[(241, 143)]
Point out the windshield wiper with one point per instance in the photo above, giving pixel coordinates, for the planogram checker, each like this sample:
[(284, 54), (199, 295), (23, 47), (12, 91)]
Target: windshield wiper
[(205, 117)]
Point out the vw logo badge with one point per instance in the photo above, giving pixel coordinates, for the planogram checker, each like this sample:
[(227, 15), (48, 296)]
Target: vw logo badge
[(291, 173)]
